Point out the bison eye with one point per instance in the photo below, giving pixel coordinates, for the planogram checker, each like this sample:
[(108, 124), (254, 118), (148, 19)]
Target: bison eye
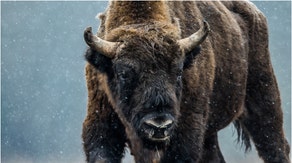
[(124, 72), (179, 74), (123, 75)]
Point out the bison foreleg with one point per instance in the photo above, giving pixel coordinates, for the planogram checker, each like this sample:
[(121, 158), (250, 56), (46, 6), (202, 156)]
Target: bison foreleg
[(103, 140), (212, 151)]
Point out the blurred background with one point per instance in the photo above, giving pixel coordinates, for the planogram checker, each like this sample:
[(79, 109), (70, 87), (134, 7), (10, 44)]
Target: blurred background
[(43, 91)]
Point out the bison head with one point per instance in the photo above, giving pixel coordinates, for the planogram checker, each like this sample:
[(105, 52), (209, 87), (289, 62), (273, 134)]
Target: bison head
[(144, 78)]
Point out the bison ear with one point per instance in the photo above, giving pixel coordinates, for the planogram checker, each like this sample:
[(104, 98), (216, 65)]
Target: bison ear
[(99, 61), (190, 57)]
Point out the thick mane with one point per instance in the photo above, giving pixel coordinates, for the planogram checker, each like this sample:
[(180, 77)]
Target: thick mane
[(158, 50), (129, 12), (148, 30), (147, 19)]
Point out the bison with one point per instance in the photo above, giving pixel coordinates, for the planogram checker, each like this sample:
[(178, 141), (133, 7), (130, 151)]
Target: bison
[(164, 77)]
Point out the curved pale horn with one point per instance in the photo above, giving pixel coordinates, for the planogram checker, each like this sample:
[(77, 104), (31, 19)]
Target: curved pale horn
[(189, 43), (106, 48)]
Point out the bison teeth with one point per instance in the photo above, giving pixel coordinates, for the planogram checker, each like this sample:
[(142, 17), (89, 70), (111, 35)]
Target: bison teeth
[(160, 139), (151, 133)]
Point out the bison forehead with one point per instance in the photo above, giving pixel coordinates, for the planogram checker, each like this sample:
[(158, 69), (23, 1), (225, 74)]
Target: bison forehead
[(161, 50)]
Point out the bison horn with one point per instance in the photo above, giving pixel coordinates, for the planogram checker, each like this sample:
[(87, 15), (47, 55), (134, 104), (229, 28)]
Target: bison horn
[(189, 43), (106, 48)]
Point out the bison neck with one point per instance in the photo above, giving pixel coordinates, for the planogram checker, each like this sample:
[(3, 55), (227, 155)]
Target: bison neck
[(128, 12)]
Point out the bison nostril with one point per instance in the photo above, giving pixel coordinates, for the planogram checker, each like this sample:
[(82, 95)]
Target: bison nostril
[(159, 124), (165, 133)]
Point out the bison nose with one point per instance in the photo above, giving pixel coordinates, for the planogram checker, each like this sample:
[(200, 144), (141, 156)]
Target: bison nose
[(158, 123), (157, 127)]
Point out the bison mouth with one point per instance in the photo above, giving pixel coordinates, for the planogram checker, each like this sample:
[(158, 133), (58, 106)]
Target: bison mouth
[(156, 129)]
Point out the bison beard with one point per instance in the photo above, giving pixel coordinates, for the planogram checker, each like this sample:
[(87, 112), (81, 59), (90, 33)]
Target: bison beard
[(156, 85)]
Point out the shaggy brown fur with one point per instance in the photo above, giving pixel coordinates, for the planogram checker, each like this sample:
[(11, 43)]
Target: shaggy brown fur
[(231, 80)]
